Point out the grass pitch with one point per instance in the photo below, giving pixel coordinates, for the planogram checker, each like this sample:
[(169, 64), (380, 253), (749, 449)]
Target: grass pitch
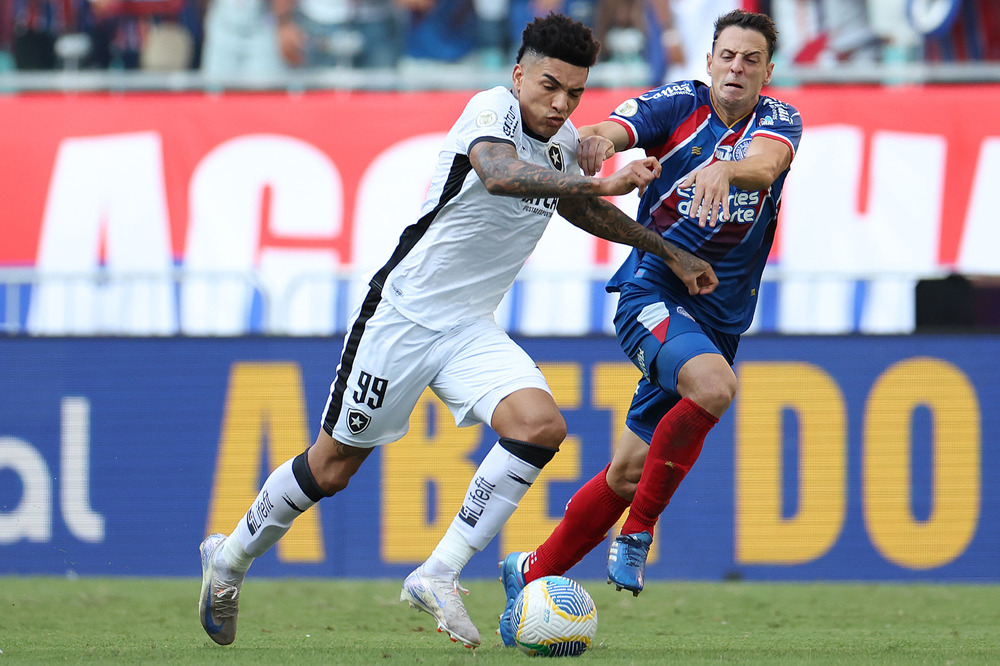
[(138, 621)]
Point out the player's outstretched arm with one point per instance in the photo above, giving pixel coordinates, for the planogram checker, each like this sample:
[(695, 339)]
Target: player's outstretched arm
[(605, 220), (598, 143), (504, 174)]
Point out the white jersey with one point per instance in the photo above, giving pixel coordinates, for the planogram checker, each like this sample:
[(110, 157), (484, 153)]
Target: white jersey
[(460, 258)]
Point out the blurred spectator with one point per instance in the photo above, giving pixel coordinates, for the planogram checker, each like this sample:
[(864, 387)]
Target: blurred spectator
[(162, 35), (442, 30), (825, 31), (73, 34), (639, 31), (957, 30), (523, 12), (901, 43), (35, 25), (491, 32), (346, 33), (241, 39), (694, 21)]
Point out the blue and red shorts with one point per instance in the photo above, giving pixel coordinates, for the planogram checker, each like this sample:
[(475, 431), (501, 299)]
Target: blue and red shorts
[(660, 336)]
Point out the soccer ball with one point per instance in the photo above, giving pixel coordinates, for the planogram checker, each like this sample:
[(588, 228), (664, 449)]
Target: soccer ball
[(553, 617)]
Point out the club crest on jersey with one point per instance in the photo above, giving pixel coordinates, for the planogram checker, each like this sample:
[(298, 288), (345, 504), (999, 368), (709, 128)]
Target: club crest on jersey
[(357, 421), (555, 156), (740, 149)]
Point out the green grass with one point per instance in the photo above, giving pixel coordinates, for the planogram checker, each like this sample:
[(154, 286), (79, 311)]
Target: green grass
[(124, 620)]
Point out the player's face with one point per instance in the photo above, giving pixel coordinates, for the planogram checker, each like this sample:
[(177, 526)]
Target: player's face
[(549, 91), (739, 68)]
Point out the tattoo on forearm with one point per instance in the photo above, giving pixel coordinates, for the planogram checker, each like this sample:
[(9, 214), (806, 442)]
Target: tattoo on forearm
[(503, 173), (605, 220)]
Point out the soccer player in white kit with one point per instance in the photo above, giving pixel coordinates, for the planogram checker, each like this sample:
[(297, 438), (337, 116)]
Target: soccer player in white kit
[(506, 166)]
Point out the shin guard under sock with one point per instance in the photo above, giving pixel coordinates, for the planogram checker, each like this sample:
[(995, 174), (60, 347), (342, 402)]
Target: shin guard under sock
[(676, 445)]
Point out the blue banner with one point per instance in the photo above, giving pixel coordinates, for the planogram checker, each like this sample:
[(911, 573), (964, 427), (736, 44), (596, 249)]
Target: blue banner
[(842, 458)]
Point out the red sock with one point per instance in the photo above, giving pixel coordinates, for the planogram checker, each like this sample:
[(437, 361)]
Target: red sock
[(590, 514), (676, 444)]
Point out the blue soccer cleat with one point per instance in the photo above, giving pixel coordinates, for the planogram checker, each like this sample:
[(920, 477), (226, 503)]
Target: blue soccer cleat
[(513, 582), (218, 605), (627, 561)]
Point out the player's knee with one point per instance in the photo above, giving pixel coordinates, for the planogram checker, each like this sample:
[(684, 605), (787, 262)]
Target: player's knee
[(545, 428), (713, 391), (621, 483), (625, 469), (332, 464), (330, 480), (548, 431)]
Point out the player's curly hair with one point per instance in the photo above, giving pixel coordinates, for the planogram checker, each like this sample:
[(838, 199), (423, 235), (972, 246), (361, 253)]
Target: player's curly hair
[(558, 36), (741, 18)]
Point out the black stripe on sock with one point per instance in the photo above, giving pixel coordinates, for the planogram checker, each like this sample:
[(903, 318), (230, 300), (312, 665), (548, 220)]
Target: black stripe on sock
[(533, 454), (303, 476)]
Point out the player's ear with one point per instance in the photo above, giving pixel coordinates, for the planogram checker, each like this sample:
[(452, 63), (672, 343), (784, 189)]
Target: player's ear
[(770, 70), (517, 78)]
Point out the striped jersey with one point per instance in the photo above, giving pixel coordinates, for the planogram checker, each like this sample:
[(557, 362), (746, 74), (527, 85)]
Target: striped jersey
[(460, 258), (676, 124)]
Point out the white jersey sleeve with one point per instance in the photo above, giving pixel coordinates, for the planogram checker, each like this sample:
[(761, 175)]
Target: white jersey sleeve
[(459, 259)]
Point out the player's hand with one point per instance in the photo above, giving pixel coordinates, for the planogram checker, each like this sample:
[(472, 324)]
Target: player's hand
[(637, 174), (696, 273), (592, 151), (710, 202)]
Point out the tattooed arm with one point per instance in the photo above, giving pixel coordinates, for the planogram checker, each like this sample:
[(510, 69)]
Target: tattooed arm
[(605, 220), (504, 174)]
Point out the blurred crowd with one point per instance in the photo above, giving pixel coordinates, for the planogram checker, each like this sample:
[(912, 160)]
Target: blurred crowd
[(232, 38)]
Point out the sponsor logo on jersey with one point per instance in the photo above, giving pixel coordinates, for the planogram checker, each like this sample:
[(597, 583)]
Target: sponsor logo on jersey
[(743, 205), (556, 156), (486, 118), (782, 111), (540, 206), (740, 149), (510, 123), (684, 313), (766, 121), (670, 91), (628, 108), (357, 421), (724, 153)]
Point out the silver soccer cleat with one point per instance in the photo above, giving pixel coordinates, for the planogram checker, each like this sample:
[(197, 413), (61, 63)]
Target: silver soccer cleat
[(218, 605), (438, 595)]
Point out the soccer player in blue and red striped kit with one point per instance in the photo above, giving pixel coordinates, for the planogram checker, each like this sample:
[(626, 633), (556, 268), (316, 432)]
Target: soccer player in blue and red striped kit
[(725, 150)]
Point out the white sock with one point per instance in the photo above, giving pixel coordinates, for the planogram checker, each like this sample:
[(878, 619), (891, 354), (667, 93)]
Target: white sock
[(496, 489), (451, 554), (281, 500), (234, 556)]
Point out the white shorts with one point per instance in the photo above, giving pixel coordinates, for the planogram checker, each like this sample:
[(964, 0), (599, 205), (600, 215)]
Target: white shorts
[(389, 360)]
